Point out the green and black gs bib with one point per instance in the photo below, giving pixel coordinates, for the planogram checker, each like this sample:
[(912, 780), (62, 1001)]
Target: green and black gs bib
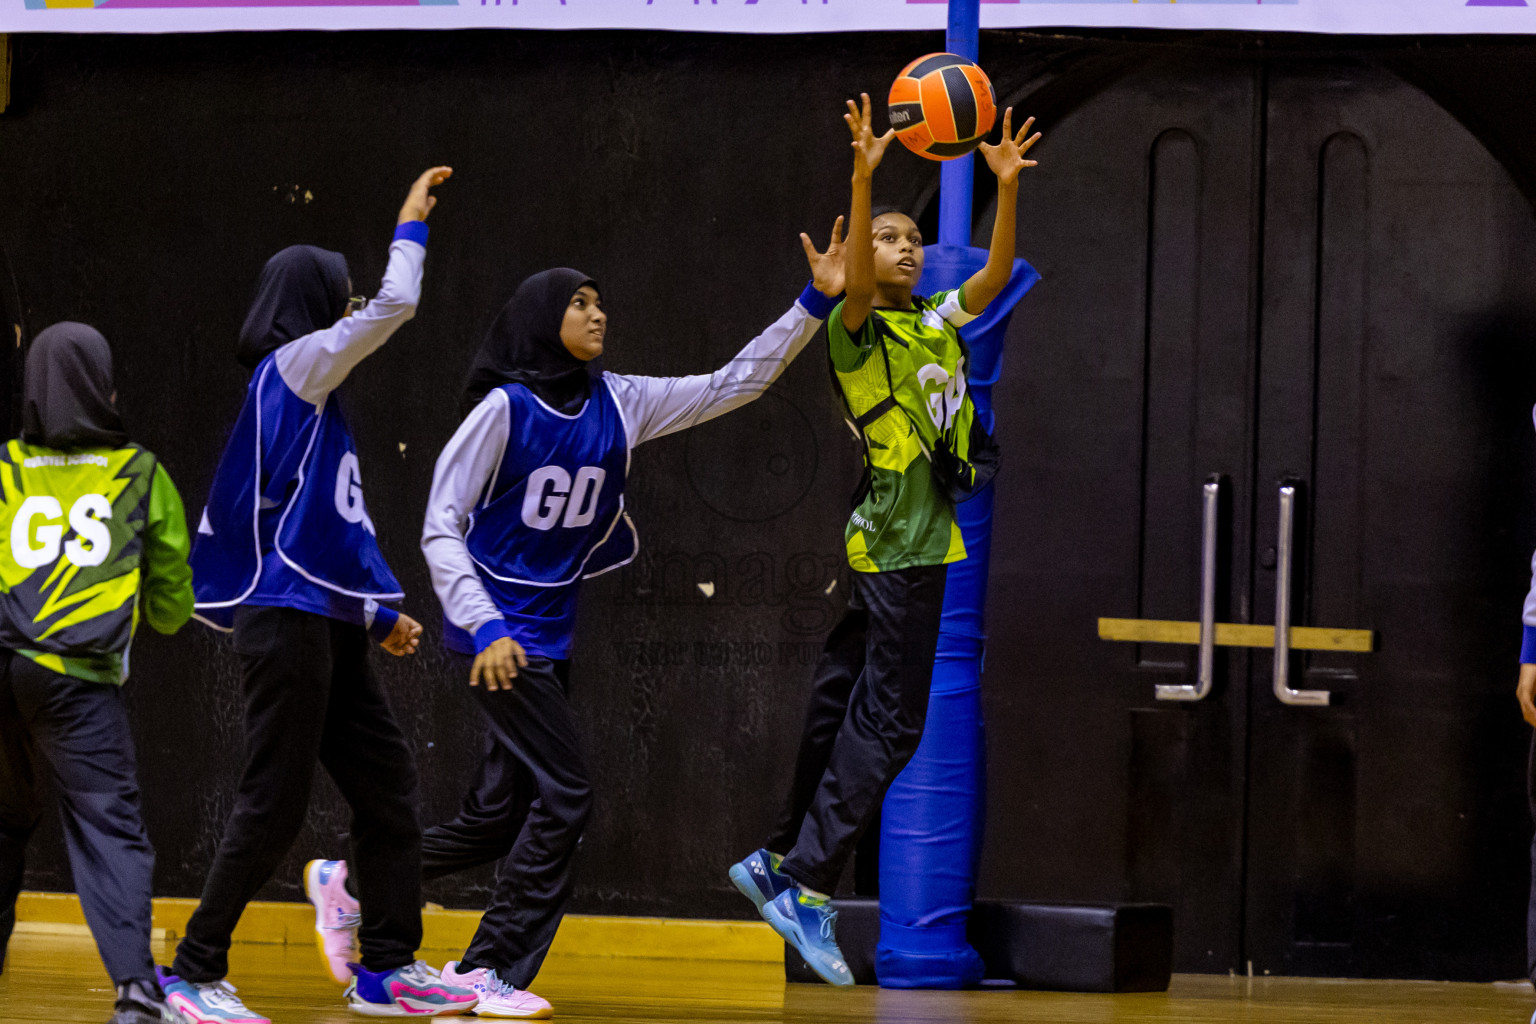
[(70, 550)]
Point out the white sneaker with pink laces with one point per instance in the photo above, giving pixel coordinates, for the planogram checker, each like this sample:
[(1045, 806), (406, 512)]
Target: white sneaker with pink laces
[(336, 916), (497, 998)]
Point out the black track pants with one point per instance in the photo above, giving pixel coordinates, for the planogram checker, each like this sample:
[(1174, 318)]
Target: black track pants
[(78, 732), (310, 696), (527, 809), (1530, 914), (868, 704)]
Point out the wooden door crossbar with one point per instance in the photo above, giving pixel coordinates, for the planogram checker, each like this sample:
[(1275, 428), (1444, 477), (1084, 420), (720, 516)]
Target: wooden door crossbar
[(1232, 634)]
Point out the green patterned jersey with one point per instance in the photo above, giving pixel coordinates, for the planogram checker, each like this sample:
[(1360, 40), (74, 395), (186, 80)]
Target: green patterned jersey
[(81, 534), (904, 520)]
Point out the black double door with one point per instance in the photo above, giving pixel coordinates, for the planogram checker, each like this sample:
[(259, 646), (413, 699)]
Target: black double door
[(1304, 285)]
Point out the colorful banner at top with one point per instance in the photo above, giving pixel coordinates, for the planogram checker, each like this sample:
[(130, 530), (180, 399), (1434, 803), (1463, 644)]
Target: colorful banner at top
[(1381, 17)]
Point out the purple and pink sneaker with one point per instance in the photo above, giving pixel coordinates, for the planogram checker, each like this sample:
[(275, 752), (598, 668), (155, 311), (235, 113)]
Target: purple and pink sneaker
[(336, 915), (415, 990)]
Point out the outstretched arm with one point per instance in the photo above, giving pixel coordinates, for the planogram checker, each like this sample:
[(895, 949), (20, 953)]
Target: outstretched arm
[(654, 406), (315, 365), (1006, 160), (868, 151)]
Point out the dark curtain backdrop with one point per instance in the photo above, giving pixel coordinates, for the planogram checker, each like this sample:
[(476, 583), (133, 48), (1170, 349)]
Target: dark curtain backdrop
[(148, 178)]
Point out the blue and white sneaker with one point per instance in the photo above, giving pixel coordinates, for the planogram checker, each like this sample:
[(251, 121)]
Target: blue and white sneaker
[(207, 1002), (809, 924), (412, 991), (759, 878)]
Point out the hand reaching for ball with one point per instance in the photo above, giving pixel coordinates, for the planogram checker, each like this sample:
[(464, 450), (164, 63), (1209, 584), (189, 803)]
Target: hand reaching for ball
[(868, 148), (1007, 157), (827, 270)]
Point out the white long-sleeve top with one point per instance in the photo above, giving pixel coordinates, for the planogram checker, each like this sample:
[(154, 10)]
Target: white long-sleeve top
[(1528, 615), (1528, 620), (651, 406), (315, 365)]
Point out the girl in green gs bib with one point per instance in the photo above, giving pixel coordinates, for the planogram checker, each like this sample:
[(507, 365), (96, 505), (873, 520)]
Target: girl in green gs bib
[(900, 368), (92, 535)]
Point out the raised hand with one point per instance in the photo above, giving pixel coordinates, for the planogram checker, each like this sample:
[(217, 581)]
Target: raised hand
[(1007, 157), (868, 148), (418, 202), (827, 268)]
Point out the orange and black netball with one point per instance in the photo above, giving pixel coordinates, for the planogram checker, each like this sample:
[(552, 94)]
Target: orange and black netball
[(942, 105)]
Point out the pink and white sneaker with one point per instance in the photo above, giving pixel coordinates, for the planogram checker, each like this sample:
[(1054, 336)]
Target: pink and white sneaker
[(336, 916), (497, 998)]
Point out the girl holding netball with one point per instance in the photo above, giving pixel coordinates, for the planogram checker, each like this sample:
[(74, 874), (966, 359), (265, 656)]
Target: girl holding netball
[(286, 557), (900, 367), (527, 501)]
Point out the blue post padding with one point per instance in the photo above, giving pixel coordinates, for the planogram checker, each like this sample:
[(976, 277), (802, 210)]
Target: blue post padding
[(930, 842), (948, 266), (931, 826), (962, 631)]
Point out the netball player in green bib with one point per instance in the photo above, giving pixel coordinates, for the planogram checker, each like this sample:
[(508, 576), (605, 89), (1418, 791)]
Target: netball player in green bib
[(93, 538), (900, 367)]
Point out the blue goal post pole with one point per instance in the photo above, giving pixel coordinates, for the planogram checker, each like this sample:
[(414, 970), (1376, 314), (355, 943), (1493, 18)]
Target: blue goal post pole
[(955, 177), (933, 818)]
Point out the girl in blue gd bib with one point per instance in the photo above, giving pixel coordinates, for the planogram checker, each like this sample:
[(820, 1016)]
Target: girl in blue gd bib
[(527, 501), (286, 557)]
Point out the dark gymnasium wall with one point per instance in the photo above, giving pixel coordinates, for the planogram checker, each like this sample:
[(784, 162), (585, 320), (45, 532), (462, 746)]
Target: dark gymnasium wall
[(148, 178), (159, 173)]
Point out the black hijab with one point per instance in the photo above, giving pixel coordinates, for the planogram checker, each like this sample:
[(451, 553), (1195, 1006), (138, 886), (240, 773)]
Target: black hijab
[(67, 397), (524, 345), (302, 289)]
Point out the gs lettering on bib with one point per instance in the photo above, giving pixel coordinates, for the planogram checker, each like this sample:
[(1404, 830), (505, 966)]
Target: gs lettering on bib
[(70, 545), (555, 512), (34, 544)]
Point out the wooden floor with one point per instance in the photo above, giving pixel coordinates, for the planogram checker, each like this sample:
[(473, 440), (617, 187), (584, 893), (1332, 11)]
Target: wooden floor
[(59, 979)]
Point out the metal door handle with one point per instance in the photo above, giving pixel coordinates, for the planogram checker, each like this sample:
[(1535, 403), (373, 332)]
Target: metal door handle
[(1209, 523), (1283, 563)]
